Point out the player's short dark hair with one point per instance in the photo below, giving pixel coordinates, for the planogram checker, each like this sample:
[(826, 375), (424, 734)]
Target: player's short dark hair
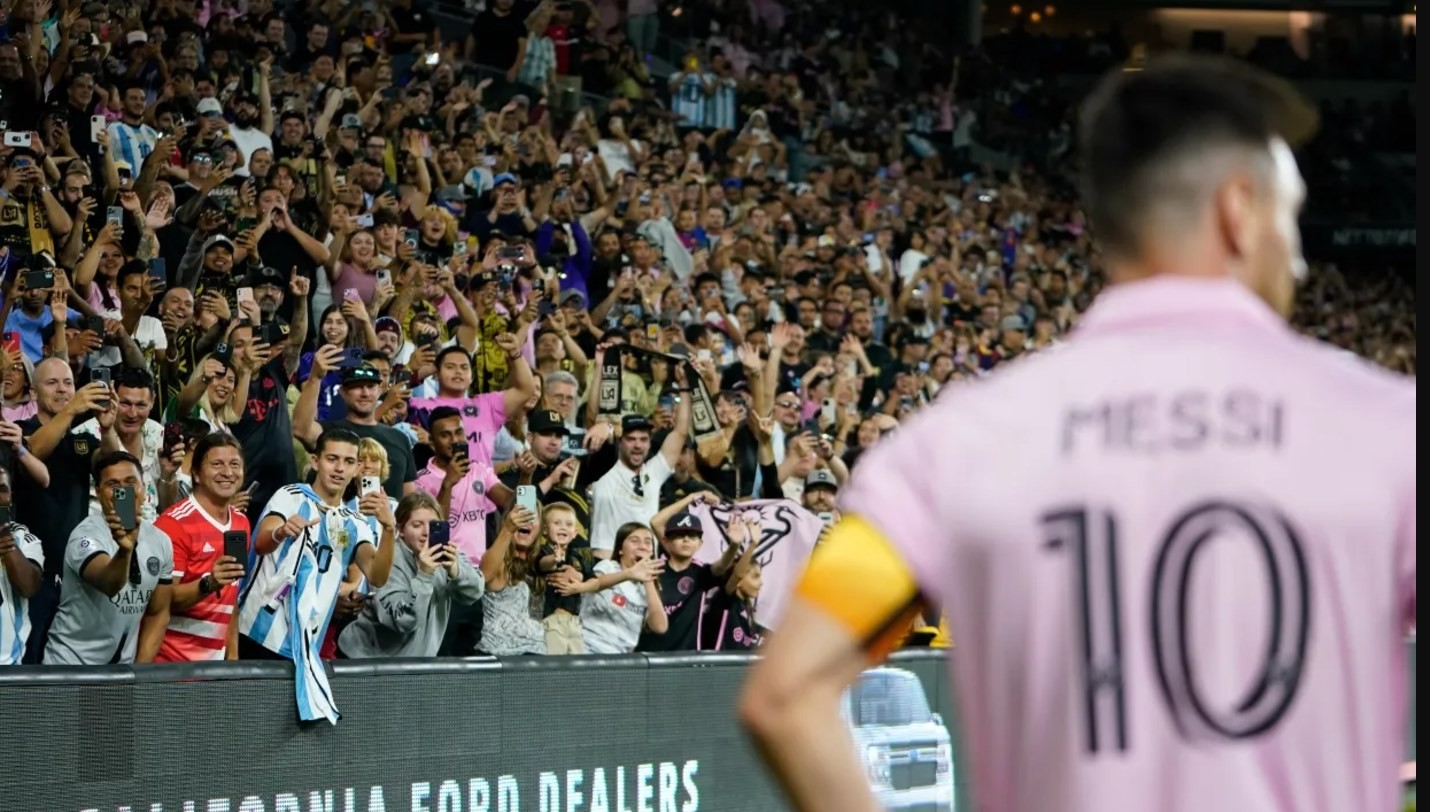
[(134, 378), (211, 441), (449, 350), (335, 436), (442, 413), (1135, 122), (109, 459)]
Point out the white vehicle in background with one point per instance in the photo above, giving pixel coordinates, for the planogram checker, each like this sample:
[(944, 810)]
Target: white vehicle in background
[(906, 749)]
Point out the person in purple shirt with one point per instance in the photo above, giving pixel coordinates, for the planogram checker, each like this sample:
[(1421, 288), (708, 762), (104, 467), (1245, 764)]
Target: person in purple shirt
[(562, 238)]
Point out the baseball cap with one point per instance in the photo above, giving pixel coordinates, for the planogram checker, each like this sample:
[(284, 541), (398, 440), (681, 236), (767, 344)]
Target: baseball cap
[(546, 421), (351, 122), (455, 193), (505, 177), (136, 36), (684, 524), (209, 106), (218, 241), (569, 296), (361, 374), (1014, 322), (387, 324), (265, 275), (821, 478), (635, 422)]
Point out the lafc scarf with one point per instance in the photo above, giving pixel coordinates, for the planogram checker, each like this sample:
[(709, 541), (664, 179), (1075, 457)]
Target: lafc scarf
[(608, 396)]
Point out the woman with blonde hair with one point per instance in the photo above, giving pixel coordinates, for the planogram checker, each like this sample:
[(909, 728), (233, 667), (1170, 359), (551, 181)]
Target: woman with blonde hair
[(408, 616), (436, 234), (214, 394)]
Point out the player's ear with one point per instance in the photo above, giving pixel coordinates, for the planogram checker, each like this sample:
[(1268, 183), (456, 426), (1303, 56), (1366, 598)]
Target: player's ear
[(1234, 214)]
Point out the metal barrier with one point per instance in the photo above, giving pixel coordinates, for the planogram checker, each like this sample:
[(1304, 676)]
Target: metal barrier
[(625, 734)]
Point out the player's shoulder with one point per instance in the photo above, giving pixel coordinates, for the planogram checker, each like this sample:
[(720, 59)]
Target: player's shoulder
[(1359, 377)]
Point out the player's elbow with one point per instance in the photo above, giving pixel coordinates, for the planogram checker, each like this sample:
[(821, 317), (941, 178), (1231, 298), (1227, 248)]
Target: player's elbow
[(767, 706)]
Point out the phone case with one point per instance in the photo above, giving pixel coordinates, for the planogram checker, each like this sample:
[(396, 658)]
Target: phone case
[(235, 545)]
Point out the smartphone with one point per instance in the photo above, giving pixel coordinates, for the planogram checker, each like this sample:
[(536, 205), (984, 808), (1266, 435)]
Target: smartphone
[(352, 358), (545, 308), (39, 280), (5, 517), (459, 248), (173, 437), (513, 252), (93, 324), (461, 449), (384, 276), (340, 180), (223, 353), (364, 221), (96, 126), (270, 333), (489, 160), (14, 139), (526, 497), (703, 355), (351, 294), (115, 215), (244, 295), (411, 237), (235, 545), (433, 58), (124, 507), (826, 517), (828, 411), (100, 375), (652, 332), (370, 484), (439, 533), (10, 342), (159, 270)]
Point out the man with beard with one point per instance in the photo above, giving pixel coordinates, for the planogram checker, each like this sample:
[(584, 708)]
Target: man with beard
[(361, 393), (267, 284), (53, 512), (630, 490), (253, 118), (265, 429), (142, 437), (204, 601), (188, 338), (130, 138)]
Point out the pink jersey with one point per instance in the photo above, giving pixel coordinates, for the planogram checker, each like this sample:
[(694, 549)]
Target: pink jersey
[(482, 419), (1177, 555)]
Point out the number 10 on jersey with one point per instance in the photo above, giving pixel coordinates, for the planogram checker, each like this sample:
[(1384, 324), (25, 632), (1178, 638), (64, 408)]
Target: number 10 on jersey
[(1089, 538)]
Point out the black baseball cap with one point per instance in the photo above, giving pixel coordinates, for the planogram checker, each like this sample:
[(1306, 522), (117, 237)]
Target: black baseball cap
[(635, 422), (546, 421), (266, 275), (684, 524), (361, 375)]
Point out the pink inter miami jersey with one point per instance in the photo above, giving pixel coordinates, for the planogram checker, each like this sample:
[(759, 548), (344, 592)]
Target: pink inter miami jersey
[(1178, 559)]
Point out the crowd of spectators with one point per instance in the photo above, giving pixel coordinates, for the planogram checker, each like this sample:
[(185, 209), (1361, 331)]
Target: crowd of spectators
[(285, 289)]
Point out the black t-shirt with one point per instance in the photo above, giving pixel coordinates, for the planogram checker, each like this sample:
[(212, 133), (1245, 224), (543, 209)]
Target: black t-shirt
[(266, 434), (401, 467), (281, 250), (53, 512), (672, 491), (411, 20), (496, 35), (729, 624), (735, 476), (579, 556), (683, 594), (18, 105)]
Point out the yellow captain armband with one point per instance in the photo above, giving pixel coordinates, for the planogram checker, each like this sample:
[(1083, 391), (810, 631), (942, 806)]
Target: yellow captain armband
[(857, 578)]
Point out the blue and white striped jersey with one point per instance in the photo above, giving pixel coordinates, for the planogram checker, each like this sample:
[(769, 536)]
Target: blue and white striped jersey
[(303, 574), (14, 607), (132, 144), (721, 111), (687, 98)]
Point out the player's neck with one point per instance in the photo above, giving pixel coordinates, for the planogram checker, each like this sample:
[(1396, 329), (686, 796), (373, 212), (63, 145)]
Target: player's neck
[(210, 504), (331, 500)]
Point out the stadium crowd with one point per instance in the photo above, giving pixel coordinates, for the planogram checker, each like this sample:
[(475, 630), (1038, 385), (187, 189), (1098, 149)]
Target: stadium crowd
[(325, 337)]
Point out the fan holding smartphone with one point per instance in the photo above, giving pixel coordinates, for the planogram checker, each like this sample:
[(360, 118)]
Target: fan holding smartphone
[(210, 542)]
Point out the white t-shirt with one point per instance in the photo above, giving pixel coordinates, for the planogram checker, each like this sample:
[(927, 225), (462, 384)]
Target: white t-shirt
[(611, 620), (249, 141), (149, 336), (614, 500), (616, 156)]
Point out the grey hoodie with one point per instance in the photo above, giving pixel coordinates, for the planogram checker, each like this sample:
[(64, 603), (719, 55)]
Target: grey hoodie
[(408, 616)]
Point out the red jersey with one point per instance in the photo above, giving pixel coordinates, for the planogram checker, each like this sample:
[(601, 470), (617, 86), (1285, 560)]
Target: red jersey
[(201, 631)]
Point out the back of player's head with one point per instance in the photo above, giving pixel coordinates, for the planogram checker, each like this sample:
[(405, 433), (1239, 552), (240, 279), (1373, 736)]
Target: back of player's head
[(1156, 143)]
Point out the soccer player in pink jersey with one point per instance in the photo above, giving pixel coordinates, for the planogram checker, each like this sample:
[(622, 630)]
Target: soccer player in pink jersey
[(1177, 554)]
